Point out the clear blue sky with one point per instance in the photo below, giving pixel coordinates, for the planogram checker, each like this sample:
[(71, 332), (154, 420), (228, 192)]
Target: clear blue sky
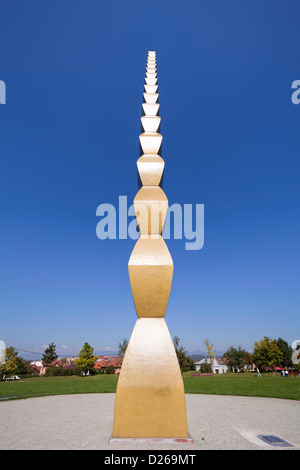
[(74, 74)]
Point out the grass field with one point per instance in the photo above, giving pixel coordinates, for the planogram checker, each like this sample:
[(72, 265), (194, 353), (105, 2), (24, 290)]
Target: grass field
[(245, 385), (228, 384)]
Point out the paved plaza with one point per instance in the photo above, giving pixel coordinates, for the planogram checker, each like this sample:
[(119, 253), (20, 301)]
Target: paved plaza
[(85, 422)]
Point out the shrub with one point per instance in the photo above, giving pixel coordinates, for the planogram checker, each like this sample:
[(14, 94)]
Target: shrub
[(74, 371), (54, 371), (205, 368)]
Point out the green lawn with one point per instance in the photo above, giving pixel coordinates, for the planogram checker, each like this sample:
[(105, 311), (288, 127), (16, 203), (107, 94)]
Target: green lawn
[(42, 386), (245, 385), (228, 384)]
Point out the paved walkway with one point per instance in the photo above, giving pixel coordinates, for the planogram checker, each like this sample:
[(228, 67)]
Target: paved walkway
[(85, 422)]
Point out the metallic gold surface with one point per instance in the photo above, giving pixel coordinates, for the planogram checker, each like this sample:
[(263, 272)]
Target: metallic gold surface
[(150, 168), (151, 81), (150, 271), (150, 123), (150, 109), (151, 97), (151, 206), (151, 142), (150, 399), (150, 88), (151, 75)]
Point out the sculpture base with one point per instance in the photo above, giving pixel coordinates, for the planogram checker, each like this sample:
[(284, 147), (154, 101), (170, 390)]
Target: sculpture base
[(153, 440)]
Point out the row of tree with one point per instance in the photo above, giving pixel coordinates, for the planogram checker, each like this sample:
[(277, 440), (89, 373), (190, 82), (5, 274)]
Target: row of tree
[(16, 365), (267, 353)]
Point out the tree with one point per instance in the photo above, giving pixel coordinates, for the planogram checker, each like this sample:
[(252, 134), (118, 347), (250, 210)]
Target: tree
[(236, 358), (14, 364), (86, 358), (49, 354), (122, 348), (287, 352), (11, 362), (23, 366), (267, 353), (185, 362), (210, 351), (249, 360)]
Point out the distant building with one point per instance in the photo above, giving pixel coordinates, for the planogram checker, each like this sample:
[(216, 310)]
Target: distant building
[(104, 361), (35, 370), (36, 367), (218, 366), (55, 363), (36, 363)]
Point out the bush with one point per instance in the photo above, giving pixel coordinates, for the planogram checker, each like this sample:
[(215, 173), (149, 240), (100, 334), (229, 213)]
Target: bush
[(110, 370), (54, 371), (205, 368), (74, 371)]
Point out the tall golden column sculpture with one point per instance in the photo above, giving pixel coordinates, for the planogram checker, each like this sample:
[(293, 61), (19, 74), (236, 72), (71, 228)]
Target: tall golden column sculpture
[(150, 401)]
